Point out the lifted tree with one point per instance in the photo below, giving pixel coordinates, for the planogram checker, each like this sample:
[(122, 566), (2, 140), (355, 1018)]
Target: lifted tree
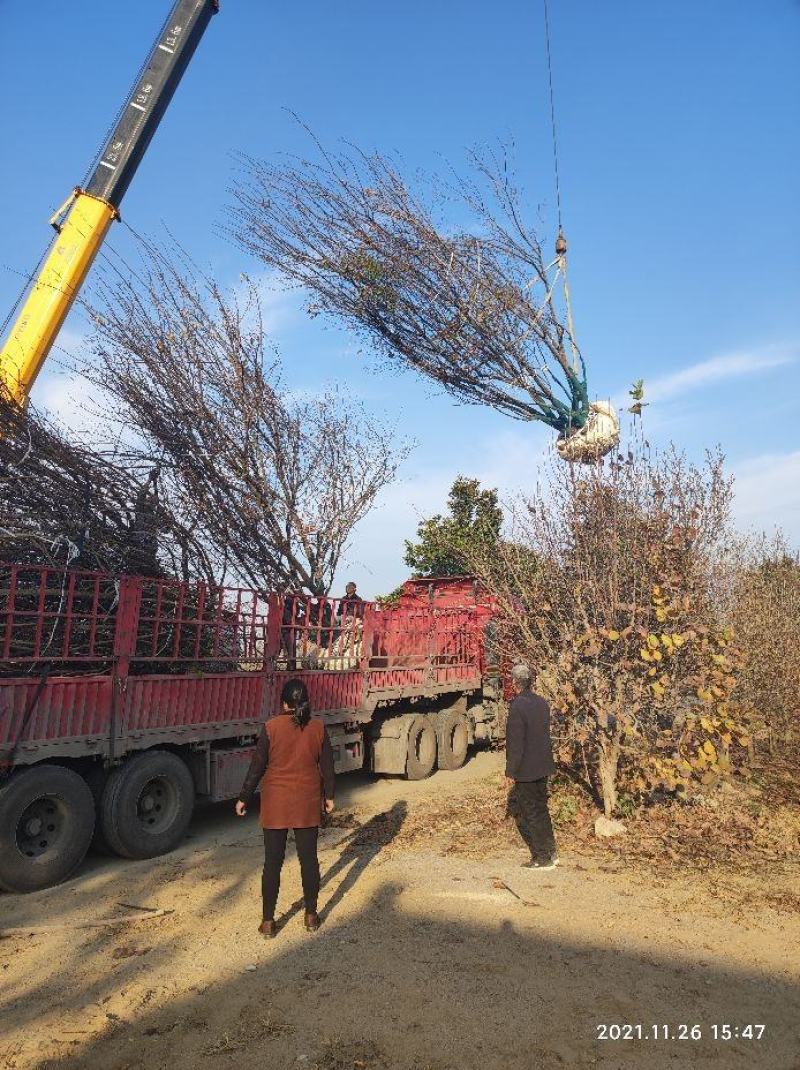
[(472, 308)]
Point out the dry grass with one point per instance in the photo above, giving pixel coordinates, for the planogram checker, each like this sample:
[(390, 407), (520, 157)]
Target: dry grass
[(255, 1024), (738, 828), (341, 1053)]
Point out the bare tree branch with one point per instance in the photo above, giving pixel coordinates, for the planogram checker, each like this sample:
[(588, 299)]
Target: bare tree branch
[(273, 481), (472, 309), (63, 502)]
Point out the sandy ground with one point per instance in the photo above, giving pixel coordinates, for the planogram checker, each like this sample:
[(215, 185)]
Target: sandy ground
[(425, 961)]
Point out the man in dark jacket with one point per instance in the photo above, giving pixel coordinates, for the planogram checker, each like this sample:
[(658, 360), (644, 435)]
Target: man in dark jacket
[(351, 610), (529, 762), (352, 605)]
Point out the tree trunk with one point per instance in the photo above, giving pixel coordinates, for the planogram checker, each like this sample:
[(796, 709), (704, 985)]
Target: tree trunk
[(608, 751)]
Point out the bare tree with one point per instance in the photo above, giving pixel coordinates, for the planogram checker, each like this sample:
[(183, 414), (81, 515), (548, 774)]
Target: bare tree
[(275, 481), (472, 309), (618, 606), (765, 607), (62, 502)]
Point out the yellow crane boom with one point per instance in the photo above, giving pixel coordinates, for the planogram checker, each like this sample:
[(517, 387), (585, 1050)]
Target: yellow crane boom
[(90, 211), (53, 292)]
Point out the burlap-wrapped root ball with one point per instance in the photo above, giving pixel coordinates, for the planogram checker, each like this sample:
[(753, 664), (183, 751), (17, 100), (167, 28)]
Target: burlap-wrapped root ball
[(598, 435)]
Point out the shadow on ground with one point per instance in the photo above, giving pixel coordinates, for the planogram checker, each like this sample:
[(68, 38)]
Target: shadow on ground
[(356, 850), (392, 980)]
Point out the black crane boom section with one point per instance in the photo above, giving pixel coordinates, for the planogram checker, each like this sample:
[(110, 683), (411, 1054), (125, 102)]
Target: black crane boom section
[(143, 111)]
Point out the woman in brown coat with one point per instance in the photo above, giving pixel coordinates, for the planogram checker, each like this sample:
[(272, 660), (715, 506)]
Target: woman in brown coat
[(295, 760)]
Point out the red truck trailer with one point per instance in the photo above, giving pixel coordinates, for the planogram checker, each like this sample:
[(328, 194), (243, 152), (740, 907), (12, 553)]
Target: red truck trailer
[(126, 699)]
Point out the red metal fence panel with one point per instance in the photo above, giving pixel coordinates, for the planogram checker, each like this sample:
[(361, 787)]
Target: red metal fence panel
[(327, 691), (418, 646), (78, 709), (169, 702), (56, 615), (60, 616), (67, 709), (162, 702), (321, 633), (222, 628)]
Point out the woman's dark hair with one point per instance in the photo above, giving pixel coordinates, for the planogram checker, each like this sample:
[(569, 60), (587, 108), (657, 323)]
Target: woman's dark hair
[(295, 695)]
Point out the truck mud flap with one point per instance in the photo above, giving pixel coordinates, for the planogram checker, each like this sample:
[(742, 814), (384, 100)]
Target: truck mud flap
[(389, 740)]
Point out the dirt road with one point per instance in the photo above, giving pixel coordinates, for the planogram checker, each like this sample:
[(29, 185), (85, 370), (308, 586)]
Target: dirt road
[(426, 960)]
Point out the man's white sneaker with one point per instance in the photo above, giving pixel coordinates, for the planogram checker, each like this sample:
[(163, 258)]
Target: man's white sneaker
[(541, 866)]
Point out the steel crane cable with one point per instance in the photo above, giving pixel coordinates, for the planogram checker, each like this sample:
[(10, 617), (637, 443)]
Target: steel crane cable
[(552, 108), (29, 278), (561, 243)]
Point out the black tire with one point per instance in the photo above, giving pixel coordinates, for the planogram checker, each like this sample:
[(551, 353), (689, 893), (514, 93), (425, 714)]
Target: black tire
[(147, 805), (452, 732), (421, 753), (46, 826)]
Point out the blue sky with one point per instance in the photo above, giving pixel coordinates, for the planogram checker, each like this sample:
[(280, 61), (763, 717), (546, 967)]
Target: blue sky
[(679, 159)]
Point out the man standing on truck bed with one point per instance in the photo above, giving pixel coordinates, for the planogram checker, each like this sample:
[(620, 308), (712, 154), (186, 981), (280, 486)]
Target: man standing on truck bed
[(352, 605), (349, 616), (529, 762)]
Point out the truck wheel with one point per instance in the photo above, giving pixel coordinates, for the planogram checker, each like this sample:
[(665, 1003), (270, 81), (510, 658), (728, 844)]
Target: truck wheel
[(46, 825), (453, 739), (421, 754), (147, 805)]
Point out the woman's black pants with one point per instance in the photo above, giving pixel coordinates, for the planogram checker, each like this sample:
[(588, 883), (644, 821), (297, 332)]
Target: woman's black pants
[(274, 853)]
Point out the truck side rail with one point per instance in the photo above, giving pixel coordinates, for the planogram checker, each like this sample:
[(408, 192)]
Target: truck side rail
[(95, 665), (77, 620)]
